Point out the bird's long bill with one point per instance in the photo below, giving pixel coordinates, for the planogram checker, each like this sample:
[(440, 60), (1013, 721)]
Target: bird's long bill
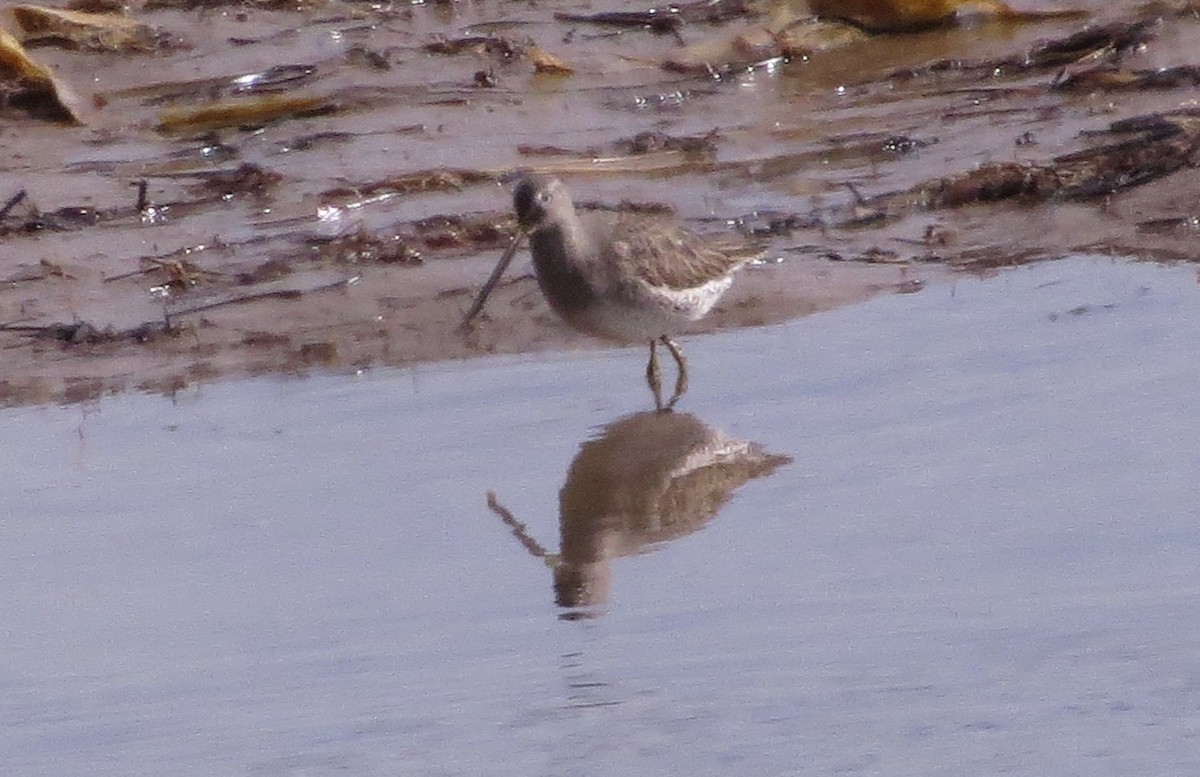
[(501, 266)]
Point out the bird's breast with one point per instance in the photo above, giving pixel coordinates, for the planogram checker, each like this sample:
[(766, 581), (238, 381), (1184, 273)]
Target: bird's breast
[(561, 272)]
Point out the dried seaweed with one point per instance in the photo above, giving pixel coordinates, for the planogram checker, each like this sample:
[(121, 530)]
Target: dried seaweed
[(1165, 143), (781, 38), (363, 247), (502, 49), (420, 181), (651, 142), (76, 333), (489, 45), (669, 18), (59, 220), (246, 178), (1111, 79), (1105, 42)]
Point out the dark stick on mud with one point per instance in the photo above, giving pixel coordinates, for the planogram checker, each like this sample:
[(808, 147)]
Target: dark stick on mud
[(13, 202), (142, 202), (655, 22), (261, 295), (130, 274), (858, 198)]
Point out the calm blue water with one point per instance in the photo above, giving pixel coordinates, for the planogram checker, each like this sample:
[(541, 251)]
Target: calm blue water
[(982, 559)]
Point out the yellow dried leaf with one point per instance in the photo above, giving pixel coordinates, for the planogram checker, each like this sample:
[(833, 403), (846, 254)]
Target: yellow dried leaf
[(907, 15), (83, 29), (809, 36), (887, 15), (238, 112), (32, 86), (545, 62)]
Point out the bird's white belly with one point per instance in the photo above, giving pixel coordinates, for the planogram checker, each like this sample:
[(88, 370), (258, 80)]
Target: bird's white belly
[(646, 312)]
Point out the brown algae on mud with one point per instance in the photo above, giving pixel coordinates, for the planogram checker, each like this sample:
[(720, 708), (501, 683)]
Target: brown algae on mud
[(337, 208)]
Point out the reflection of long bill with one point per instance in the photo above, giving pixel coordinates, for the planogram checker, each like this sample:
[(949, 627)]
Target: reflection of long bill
[(501, 266)]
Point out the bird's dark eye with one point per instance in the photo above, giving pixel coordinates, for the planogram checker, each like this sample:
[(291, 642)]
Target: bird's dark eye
[(543, 197)]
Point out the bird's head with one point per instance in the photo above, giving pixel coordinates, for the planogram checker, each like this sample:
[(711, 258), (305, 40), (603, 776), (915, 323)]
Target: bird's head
[(539, 201)]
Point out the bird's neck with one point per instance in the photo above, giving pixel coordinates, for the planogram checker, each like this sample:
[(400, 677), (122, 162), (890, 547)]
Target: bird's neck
[(557, 253), (565, 240)]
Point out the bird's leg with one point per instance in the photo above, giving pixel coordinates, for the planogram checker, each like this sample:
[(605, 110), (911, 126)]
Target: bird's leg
[(681, 381), (654, 377)]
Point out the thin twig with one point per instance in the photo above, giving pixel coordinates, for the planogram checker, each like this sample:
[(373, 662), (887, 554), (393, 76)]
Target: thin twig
[(13, 202), (277, 294)]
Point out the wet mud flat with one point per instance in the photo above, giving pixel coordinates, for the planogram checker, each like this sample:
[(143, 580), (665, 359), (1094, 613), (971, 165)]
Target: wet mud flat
[(228, 189)]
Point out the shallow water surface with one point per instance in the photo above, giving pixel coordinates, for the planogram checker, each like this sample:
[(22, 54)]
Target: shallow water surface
[(981, 559)]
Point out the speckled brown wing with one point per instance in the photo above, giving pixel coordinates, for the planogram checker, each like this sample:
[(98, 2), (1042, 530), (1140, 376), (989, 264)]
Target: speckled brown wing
[(664, 254)]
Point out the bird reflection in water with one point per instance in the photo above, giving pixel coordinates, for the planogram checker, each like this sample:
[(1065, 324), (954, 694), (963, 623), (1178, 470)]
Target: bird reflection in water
[(644, 480)]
